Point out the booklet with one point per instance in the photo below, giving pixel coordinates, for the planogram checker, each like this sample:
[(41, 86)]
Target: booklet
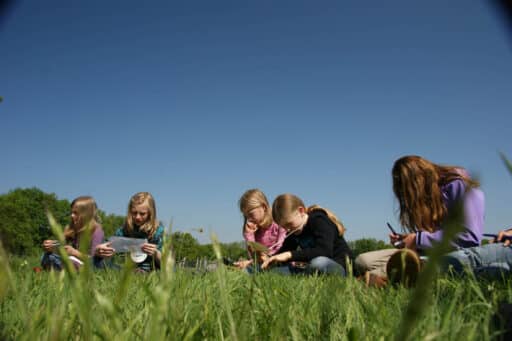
[(126, 244), (75, 260)]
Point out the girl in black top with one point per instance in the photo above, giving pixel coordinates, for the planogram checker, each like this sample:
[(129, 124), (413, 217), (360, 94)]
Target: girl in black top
[(316, 238)]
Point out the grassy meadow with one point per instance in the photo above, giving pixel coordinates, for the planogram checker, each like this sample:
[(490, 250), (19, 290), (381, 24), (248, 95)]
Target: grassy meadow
[(177, 304)]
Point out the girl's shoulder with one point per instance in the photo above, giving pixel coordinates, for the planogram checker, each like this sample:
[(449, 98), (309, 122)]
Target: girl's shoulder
[(120, 232), (318, 213), (159, 231), (98, 227), (454, 190)]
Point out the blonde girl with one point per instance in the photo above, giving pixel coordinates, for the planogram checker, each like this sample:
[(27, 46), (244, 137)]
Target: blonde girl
[(259, 226), (141, 222), (318, 233), (84, 219)]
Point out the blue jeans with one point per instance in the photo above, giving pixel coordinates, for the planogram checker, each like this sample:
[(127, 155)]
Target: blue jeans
[(319, 265), (490, 260), (51, 261)]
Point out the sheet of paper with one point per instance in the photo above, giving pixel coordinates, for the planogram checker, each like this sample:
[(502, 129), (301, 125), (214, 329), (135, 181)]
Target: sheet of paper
[(125, 244)]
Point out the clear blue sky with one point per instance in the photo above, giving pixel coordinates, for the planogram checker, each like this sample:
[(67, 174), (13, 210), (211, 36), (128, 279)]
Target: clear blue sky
[(198, 101)]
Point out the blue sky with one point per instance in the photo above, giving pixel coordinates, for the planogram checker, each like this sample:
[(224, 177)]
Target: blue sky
[(198, 101)]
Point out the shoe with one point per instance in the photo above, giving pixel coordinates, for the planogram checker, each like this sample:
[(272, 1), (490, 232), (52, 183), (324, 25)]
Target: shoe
[(403, 268)]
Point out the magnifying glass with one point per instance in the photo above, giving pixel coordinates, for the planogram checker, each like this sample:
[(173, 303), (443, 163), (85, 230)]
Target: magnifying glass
[(137, 255)]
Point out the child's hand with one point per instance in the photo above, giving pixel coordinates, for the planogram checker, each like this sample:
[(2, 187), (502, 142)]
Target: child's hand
[(149, 248), (242, 264), (502, 236), (71, 251), (262, 257), (251, 227), (396, 240), (409, 241), (280, 258), (50, 245), (104, 250)]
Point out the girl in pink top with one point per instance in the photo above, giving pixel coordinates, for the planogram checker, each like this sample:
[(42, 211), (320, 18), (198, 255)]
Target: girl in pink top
[(259, 227)]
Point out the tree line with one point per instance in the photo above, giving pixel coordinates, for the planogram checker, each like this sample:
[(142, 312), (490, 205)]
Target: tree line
[(24, 225)]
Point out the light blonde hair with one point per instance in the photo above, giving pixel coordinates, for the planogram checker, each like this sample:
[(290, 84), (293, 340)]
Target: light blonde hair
[(286, 204), (417, 186), (88, 217), (151, 225), (254, 198)]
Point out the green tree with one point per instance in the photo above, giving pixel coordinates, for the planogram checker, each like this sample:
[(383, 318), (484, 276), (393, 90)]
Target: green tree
[(367, 244), (234, 251), (23, 221), (185, 246), (110, 222)]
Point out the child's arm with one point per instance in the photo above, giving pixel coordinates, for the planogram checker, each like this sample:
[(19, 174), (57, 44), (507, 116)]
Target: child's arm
[(249, 236), (281, 236), (154, 248), (96, 239), (71, 251)]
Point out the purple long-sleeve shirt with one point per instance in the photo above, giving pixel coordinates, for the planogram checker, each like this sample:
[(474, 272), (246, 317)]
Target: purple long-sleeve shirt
[(473, 203), (96, 239), (271, 237)]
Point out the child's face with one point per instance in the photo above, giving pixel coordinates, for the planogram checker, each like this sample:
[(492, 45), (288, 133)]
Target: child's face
[(256, 215), (75, 216), (140, 214), (296, 221)]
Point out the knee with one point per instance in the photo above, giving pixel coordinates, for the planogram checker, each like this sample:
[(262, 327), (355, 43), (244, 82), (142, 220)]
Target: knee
[(325, 265), (51, 261), (320, 262), (362, 262), (452, 264)]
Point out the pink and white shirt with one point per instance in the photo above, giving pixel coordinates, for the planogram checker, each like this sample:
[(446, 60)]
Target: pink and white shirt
[(271, 237)]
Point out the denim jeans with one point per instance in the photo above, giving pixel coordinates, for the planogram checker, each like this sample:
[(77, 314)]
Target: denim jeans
[(490, 260), (319, 265), (51, 261)]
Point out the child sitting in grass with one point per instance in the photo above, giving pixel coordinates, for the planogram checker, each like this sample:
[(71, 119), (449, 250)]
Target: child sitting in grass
[(428, 195), (259, 227), (84, 219), (141, 222), (316, 238)]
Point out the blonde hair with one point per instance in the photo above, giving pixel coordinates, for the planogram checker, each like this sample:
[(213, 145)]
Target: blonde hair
[(417, 186), (151, 225), (88, 217), (254, 198), (286, 204)]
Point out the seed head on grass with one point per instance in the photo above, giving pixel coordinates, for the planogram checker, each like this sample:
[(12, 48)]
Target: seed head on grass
[(221, 277), (507, 163)]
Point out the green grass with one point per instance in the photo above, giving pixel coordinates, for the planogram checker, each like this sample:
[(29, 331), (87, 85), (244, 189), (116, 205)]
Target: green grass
[(227, 304)]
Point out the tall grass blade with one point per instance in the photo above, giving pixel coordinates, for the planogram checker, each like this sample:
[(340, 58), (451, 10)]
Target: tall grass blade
[(221, 276), (6, 278), (507, 163), (59, 234), (426, 279)]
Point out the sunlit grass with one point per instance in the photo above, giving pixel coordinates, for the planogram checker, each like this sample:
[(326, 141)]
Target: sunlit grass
[(228, 304)]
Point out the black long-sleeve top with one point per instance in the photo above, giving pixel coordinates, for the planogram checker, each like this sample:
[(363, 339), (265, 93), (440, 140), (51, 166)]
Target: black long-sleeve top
[(319, 237)]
